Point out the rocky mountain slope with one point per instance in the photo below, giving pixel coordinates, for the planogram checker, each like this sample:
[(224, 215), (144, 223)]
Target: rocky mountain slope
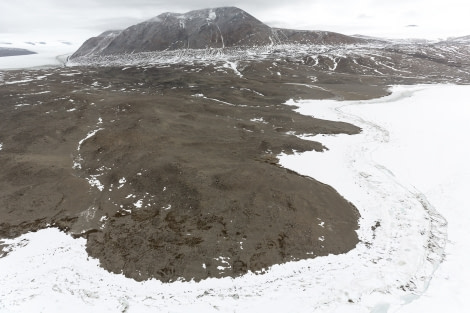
[(231, 35), (200, 29)]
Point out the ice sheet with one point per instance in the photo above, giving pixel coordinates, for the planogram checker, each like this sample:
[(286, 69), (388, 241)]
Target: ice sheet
[(49, 53)]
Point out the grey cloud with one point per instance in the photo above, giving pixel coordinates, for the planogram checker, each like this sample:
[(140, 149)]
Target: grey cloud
[(95, 16)]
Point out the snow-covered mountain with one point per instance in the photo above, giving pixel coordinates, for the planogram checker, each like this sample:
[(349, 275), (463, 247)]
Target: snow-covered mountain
[(231, 34), (208, 28)]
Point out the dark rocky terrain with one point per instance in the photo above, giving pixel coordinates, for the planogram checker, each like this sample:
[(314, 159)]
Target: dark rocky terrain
[(8, 52), (166, 161), (186, 162), (210, 28)]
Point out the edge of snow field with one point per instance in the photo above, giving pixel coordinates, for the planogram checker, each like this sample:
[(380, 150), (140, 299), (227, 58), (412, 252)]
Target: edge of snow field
[(402, 243)]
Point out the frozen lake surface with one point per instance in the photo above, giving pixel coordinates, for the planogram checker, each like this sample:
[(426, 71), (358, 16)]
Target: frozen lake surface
[(407, 173)]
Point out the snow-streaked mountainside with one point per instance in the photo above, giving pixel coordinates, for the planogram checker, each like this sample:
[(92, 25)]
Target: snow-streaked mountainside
[(96, 45), (232, 35), (209, 28)]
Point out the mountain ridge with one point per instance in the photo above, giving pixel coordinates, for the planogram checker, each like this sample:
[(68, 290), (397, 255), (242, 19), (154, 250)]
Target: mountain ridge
[(9, 51), (222, 27)]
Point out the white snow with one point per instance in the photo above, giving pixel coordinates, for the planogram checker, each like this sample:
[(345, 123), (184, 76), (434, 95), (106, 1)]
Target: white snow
[(422, 133), (224, 263), (221, 36), (233, 66), (212, 15), (19, 81), (49, 53), (77, 161), (440, 170), (1, 146), (95, 182), (408, 166), (40, 93), (122, 182), (88, 136), (258, 120), (71, 74), (138, 204)]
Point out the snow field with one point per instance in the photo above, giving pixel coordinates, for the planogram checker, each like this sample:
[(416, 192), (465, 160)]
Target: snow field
[(49, 53), (424, 133)]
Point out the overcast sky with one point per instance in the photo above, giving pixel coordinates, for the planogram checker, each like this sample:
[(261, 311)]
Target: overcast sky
[(78, 20)]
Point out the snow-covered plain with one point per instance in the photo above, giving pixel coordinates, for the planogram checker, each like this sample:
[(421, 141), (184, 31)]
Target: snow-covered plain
[(49, 53), (407, 173)]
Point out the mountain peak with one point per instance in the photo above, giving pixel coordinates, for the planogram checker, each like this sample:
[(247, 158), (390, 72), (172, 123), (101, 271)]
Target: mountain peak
[(208, 15), (221, 27)]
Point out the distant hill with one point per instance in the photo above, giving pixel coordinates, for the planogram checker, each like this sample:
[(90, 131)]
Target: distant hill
[(200, 29), (8, 52), (462, 40)]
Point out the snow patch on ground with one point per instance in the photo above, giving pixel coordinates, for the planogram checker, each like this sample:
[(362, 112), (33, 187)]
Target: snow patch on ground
[(88, 136), (258, 120), (122, 182), (77, 162), (233, 67), (19, 81), (138, 204), (78, 159), (95, 182)]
